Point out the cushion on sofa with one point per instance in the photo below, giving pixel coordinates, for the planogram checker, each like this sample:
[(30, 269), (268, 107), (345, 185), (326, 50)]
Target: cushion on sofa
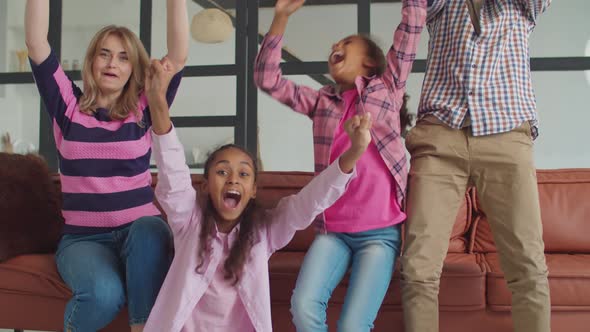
[(459, 235), (569, 282), (566, 219), (31, 219), (33, 275), (272, 186)]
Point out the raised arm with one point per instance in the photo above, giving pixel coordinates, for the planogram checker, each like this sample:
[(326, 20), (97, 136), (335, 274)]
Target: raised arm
[(177, 30), (174, 190), (402, 53), (534, 8), (267, 71), (36, 29), (298, 211)]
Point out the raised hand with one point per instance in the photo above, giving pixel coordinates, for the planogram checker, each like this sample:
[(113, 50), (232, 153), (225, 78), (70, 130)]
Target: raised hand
[(157, 79), (287, 7), (358, 129)]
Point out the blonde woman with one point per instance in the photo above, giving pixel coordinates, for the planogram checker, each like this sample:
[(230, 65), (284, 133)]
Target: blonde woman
[(115, 247)]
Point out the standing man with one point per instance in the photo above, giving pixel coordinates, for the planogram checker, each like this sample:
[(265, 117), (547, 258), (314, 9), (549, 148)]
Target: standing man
[(477, 122)]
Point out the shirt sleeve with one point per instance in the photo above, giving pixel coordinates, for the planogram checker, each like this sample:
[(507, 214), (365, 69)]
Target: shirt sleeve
[(268, 78), (58, 92), (297, 212)]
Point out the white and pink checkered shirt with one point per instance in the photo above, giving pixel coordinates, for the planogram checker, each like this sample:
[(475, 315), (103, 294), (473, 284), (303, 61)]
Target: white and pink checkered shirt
[(486, 76)]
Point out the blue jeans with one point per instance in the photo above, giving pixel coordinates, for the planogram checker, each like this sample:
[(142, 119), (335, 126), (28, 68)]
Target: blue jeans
[(106, 270), (371, 256)]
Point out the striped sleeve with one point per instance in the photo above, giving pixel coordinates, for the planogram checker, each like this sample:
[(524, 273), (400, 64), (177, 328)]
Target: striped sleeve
[(58, 92)]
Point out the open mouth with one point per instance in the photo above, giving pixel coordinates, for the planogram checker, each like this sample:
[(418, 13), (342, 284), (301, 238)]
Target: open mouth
[(110, 75), (336, 57), (231, 199)]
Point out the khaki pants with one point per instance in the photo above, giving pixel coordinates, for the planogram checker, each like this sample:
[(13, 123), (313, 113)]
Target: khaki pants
[(444, 162)]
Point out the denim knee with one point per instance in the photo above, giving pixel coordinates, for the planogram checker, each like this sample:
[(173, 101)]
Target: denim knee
[(104, 298), (354, 324), (151, 227), (152, 231), (307, 312), (108, 296)]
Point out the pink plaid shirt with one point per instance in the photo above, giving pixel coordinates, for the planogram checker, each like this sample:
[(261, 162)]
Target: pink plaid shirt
[(487, 76), (380, 96)]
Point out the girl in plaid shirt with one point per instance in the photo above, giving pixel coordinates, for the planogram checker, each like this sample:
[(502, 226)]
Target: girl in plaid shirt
[(362, 229)]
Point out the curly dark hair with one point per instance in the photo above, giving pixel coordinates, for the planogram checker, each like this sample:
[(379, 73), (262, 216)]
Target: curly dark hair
[(251, 220), (376, 54)]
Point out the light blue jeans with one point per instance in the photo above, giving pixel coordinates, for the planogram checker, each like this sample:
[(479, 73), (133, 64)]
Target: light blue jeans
[(107, 270), (371, 257)]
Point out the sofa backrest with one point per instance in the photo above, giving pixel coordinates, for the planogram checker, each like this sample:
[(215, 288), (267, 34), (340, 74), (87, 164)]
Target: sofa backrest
[(564, 197), (272, 186)]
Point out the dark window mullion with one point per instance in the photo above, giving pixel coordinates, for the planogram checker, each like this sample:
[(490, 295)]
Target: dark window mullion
[(204, 121), (211, 70), (46, 142), (364, 17), (241, 77), (145, 24), (16, 78), (252, 90)]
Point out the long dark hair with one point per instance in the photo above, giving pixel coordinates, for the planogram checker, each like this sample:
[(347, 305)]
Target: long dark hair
[(376, 54), (251, 219)]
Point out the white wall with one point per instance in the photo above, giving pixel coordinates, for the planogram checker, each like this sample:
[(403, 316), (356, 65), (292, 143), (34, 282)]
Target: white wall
[(286, 137)]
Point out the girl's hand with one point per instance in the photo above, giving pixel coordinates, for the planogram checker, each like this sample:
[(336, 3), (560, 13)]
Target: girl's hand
[(287, 7), (358, 129), (157, 79)]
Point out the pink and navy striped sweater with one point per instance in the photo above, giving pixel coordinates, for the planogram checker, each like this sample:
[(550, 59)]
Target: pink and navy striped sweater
[(104, 163)]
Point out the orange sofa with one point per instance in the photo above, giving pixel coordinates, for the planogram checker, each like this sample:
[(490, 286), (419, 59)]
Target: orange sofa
[(473, 294)]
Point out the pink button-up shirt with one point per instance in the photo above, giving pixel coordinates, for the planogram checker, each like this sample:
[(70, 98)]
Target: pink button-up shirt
[(184, 286), (220, 309)]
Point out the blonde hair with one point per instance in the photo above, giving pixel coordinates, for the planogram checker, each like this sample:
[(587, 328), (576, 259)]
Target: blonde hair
[(129, 98)]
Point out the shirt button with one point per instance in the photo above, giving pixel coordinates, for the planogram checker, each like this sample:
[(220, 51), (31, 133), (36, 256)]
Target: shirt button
[(473, 66), (470, 92)]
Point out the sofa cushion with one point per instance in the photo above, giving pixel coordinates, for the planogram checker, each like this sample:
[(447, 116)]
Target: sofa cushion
[(29, 206), (272, 186), (462, 284), (569, 282), (33, 275), (565, 218)]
